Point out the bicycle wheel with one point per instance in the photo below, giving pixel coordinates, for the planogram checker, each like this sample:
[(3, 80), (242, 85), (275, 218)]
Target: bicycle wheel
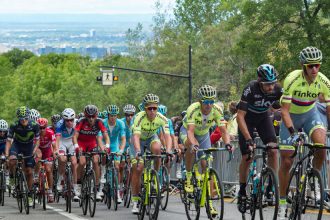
[(127, 187), (18, 192), (114, 188), (154, 195), (268, 195), (142, 207), (214, 195), (293, 194), (192, 200), (2, 187), (91, 193), (43, 189), (24, 193), (68, 193), (251, 201), (311, 195), (55, 180), (84, 195), (165, 187)]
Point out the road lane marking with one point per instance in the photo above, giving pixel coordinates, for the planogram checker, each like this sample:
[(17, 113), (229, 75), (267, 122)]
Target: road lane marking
[(66, 214)]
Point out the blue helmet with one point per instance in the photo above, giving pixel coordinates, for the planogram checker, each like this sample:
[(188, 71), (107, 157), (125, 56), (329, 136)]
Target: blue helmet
[(267, 73), (162, 109), (141, 107), (113, 110)]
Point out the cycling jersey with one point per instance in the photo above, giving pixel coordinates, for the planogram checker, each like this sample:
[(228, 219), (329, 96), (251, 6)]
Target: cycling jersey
[(170, 126), (46, 142), (3, 141), (88, 133), (203, 122), (254, 100), (24, 134), (65, 134), (146, 128), (303, 95), (115, 132), (128, 131)]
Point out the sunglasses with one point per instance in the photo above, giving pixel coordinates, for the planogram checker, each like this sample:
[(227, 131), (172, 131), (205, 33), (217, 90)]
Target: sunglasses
[(91, 116), (152, 108), (71, 120), (129, 115), (112, 115), (208, 102), (42, 128), (311, 66), (268, 83), (24, 119)]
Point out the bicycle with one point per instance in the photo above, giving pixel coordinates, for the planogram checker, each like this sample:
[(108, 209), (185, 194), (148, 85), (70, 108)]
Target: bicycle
[(150, 188), (3, 186), (127, 192), (41, 191), (207, 189), (111, 184), (55, 179), (304, 178), (68, 189), (21, 190), (88, 188), (262, 190)]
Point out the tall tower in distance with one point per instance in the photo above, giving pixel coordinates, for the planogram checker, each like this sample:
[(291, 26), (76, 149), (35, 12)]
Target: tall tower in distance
[(92, 33)]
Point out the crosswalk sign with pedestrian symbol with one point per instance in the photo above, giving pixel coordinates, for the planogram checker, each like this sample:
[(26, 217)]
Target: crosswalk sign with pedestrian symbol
[(107, 77)]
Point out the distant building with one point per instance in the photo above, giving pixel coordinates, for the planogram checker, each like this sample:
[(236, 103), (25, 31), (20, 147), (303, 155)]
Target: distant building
[(92, 33)]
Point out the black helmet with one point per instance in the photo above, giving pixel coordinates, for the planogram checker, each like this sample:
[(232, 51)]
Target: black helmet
[(90, 110), (267, 73)]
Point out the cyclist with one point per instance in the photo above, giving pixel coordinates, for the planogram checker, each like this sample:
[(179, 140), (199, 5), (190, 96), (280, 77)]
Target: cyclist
[(46, 151), (116, 131), (55, 118), (64, 146), (20, 140), (177, 124), (195, 130), (3, 139), (86, 138), (301, 90), (145, 126), (253, 113)]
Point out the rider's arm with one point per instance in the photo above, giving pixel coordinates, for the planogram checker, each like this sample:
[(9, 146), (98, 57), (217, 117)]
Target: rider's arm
[(286, 116), (75, 139), (8, 146), (191, 135), (57, 143), (242, 124), (136, 142), (36, 145), (122, 143), (225, 134)]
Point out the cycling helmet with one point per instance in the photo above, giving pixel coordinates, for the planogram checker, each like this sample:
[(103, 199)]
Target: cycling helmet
[(105, 114), (55, 118), (141, 107), (80, 115), (207, 92), (90, 110), (150, 99), (23, 112), (68, 114), (183, 113), (267, 73), (162, 109), (100, 115), (310, 55), (113, 110), (34, 115), (129, 108), (3, 125), (43, 122)]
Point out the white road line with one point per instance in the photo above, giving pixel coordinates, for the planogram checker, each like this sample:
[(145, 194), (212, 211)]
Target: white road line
[(66, 214)]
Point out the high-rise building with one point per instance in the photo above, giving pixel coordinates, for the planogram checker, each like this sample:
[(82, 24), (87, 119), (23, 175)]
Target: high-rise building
[(92, 33)]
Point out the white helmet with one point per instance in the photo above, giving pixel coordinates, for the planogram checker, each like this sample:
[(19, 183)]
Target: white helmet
[(68, 113), (3, 125), (129, 108), (34, 115)]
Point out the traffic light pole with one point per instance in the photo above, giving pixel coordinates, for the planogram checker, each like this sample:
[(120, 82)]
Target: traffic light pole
[(189, 77)]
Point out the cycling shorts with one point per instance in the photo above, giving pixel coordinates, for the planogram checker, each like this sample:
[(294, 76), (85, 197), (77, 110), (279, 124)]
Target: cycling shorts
[(26, 150), (143, 143), (66, 147)]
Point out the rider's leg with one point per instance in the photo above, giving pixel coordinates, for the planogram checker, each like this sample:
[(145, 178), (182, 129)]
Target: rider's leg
[(318, 137)]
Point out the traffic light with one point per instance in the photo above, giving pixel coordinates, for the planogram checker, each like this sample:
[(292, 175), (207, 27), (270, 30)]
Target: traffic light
[(115, 78)]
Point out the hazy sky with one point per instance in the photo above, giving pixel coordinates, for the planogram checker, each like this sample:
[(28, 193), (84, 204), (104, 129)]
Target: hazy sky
[(81, 6)]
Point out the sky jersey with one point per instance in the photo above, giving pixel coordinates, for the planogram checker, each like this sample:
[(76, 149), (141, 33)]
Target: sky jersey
[(128, 130), (47, 140), (115, 133), (302, 95), (88, 133), (145, 128), (254, 100), (24, 134), (64, 132), (203, 122)]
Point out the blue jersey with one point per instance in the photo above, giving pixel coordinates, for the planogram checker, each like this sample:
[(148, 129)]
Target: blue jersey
[(170, 125), (63, 131), (117, 132), (128, 131)]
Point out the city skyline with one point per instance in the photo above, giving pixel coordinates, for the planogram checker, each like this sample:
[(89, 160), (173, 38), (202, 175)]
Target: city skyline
[(81, 6)]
